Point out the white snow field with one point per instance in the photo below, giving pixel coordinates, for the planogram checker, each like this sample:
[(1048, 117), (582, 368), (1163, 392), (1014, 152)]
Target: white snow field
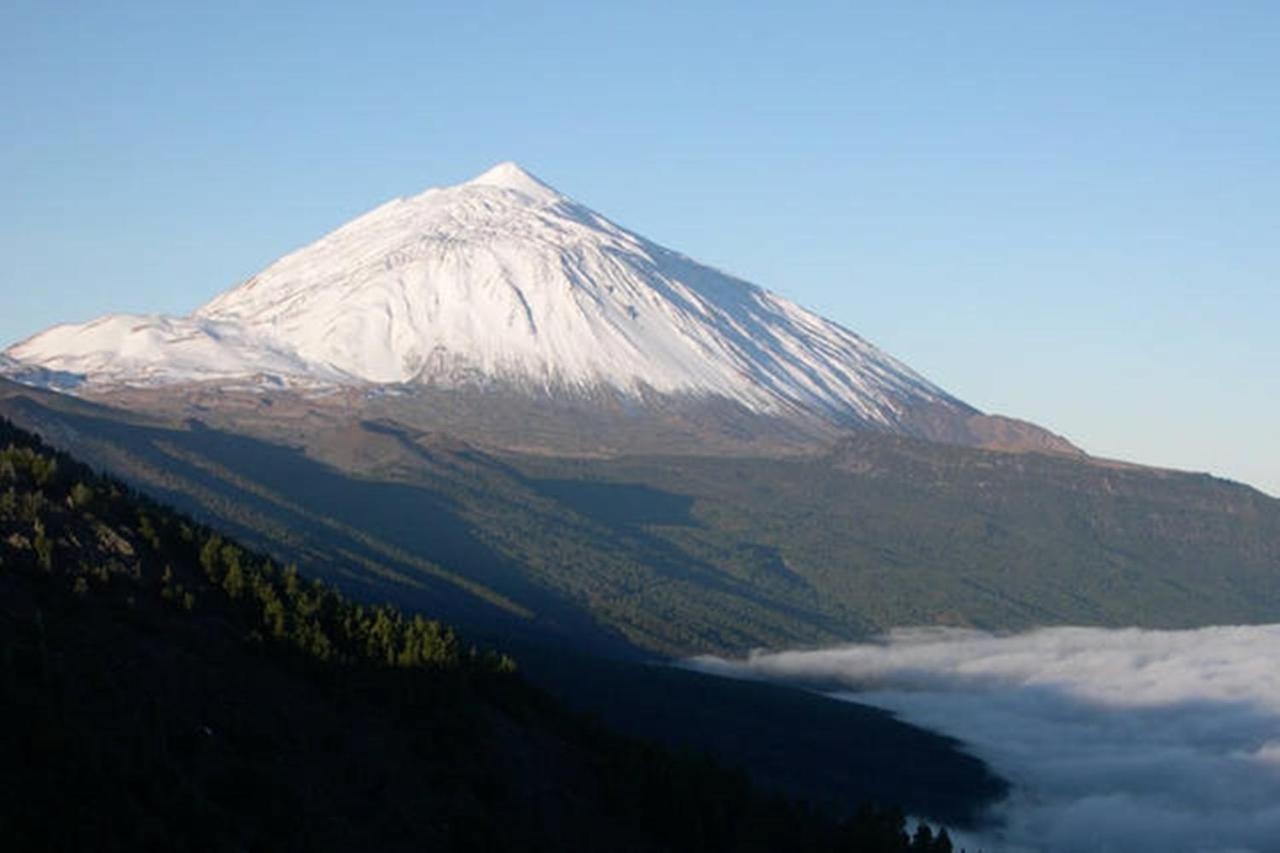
[(504, 279)]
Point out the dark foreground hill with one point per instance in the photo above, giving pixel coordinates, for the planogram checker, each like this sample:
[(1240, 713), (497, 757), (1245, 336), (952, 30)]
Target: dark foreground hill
[(165, 688)]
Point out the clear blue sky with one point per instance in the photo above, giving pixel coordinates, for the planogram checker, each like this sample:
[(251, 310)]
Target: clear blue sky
[(1066, 212)]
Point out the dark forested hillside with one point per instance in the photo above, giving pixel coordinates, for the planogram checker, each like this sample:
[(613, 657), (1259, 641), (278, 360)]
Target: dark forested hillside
[(166, 688)]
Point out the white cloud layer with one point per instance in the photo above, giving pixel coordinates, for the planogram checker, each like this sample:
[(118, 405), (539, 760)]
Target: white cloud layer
[(1114, 740)]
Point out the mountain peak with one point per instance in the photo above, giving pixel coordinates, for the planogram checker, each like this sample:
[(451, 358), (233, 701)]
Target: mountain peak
[(499, 281), (509, 175)]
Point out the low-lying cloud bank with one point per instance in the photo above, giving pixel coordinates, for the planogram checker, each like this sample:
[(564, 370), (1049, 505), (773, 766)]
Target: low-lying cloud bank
[(1124, 740)]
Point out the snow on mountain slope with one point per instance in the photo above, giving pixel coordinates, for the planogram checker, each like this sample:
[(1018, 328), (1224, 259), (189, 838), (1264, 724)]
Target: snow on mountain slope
[(503, 279), (136, 349)]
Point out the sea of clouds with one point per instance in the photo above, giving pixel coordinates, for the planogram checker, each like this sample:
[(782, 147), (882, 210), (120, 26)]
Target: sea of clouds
[(1113, 740)]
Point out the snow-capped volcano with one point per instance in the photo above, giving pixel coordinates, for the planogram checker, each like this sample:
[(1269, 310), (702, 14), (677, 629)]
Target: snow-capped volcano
[(502, 279)]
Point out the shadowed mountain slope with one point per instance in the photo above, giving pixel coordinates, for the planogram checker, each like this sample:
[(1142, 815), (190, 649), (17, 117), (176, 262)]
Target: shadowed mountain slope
[(165, 688), (686, 554)]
